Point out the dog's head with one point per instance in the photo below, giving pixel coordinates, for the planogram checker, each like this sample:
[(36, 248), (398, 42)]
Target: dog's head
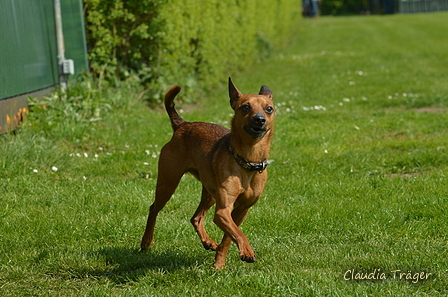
[(254, 113)]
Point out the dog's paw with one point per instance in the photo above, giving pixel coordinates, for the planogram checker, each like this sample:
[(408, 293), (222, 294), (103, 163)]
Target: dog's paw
[(144, 247), (248, 259), (219, 265), (210, 245)]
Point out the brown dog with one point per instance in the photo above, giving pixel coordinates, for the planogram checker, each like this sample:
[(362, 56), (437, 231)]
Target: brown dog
[(230, 164)]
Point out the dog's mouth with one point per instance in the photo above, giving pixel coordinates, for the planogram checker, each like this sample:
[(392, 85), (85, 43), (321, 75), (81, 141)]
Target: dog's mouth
[(255, 132)]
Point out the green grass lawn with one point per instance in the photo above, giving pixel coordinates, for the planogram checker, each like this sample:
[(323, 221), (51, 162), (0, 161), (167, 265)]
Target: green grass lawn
[(358, 184)]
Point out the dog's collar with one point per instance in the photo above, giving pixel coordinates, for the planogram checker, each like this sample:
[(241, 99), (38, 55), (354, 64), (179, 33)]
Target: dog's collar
[(246, 164)]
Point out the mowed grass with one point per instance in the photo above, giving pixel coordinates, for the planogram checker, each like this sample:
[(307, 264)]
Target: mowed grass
[(358, 183)]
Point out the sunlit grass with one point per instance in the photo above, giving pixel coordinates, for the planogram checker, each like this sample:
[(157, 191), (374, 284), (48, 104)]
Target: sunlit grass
[(358, 180)]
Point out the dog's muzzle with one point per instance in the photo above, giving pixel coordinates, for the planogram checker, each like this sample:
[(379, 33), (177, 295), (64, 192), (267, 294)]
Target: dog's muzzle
[(256, 127)]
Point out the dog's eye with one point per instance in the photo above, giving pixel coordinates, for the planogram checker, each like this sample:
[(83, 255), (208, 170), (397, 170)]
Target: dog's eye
[(269, 109), (245, 108)]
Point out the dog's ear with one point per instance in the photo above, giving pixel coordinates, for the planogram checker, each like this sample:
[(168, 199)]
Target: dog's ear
[(265, 91), (234, 93)]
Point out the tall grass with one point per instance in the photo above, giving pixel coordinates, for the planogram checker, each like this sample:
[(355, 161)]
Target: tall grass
[(358, 183)]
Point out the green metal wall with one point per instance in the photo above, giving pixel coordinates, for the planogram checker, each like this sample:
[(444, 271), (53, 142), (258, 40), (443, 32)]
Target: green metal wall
[(28, 57), (74, 34), (27, 46)]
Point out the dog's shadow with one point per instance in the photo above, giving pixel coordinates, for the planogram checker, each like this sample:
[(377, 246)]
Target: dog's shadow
[(124, 265)]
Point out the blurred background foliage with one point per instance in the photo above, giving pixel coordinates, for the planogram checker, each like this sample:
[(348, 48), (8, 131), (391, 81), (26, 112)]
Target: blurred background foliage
[(192, 43)]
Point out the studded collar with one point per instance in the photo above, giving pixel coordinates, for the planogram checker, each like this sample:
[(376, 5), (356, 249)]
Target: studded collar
[(260, 167)]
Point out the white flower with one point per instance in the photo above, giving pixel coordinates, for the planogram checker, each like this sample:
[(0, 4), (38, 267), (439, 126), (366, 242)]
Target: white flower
[(315, 107), (54, 168), (319, 107), (35, 171), (146, 163), (86, 155)]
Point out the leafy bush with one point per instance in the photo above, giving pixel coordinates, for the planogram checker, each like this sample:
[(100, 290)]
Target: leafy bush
[(194, 43)]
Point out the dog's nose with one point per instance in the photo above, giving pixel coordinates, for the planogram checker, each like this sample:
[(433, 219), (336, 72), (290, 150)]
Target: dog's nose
[(259, 119)]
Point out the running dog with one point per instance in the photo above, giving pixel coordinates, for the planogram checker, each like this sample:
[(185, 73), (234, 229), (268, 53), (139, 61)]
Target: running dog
[(231, 165)]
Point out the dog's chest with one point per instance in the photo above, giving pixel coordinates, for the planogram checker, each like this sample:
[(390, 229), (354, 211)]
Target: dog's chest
[(252, 185)]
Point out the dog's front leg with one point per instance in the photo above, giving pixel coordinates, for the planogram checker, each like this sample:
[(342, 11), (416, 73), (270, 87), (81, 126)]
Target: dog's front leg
[(198, 219), (229, 221)]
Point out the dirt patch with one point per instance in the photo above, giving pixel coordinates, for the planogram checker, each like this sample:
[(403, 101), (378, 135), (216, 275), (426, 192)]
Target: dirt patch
[(430, 109), (403, 175)]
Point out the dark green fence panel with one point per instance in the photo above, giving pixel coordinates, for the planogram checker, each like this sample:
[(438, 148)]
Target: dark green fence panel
[(27, 46), (28, 52), (417, 6), (74, 34)]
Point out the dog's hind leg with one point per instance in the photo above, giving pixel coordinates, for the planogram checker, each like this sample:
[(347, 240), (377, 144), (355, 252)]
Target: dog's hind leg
[(167, 182), (198, 218)]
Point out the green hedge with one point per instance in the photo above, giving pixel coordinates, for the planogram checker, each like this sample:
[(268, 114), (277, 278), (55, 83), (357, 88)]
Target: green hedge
[(194, 43)]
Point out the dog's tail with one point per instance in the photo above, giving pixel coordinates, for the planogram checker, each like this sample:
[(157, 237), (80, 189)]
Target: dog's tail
[(175, 118)]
